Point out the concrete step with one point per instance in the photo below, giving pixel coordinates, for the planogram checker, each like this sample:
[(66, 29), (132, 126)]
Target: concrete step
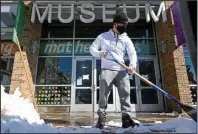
[(84, 119)]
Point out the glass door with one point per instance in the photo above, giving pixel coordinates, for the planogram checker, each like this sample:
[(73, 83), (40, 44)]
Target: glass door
[(82, 92), (150, 99), (85, 93), (134, 95), (111, 106), (142, 97)]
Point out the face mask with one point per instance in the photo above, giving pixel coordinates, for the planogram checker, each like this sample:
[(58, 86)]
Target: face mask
[(121, 29)]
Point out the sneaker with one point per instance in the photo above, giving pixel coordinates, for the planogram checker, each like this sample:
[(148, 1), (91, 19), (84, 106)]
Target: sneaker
[(127, 121), (101, 121)]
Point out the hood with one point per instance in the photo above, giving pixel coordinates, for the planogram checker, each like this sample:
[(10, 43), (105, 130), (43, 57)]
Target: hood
[(117, 35)]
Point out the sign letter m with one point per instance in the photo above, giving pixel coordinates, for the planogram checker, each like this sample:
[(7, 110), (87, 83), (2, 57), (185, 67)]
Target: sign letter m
[(162, 9), (48, 11)]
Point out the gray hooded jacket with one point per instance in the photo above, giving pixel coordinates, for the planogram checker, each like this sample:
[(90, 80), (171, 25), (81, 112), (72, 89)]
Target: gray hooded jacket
[(118, 45)]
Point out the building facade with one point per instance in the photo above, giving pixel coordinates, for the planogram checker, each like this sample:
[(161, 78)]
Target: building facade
[(65, 76), (8, 47)]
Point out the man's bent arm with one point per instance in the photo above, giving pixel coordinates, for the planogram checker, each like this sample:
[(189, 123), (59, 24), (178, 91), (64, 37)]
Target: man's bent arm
[(131, 53), (96, 45)]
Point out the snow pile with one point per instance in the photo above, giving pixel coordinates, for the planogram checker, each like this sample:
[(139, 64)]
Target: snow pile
[(178, 125), (14, 105), (19, 116), (119, 124)]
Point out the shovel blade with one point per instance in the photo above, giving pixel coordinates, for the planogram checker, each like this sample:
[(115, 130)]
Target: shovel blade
[(192, 112)]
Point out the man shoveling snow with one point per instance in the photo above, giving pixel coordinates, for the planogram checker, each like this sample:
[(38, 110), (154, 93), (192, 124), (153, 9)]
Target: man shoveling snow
[(116, 41)]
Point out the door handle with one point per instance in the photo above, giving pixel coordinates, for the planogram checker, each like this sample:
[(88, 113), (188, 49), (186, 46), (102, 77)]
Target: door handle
[(94, 87)]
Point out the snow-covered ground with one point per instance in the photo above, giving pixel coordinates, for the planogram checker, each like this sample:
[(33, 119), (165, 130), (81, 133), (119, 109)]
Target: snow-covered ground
[(19, 116)]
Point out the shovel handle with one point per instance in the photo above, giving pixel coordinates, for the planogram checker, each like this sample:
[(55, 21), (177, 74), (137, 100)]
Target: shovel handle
[(192, 112), (153, 85), (142, 78)]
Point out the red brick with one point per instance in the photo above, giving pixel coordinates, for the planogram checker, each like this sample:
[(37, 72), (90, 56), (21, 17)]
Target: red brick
[(173, 63)]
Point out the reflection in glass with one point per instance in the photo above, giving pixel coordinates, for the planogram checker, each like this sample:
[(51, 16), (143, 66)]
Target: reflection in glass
[(190, 71), (110, 98), (91, 31), (131, 77), (98, 70), (53, 95), (133, 98), (84, 73), (6, 70), (147, 70), (142, 29), (7, 89), (56, 29), (189, 66), (194, 94), (56, 48), (54, 70), (149, 96), (82, 47), (144, 46), (83, 96)]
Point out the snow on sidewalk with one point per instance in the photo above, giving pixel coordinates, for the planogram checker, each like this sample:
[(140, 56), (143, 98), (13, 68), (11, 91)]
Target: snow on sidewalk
[(19, 116)]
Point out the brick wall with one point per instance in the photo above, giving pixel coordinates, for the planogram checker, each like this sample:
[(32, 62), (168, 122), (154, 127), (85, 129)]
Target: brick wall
[(172, 62), (19, 78), (31, 32)]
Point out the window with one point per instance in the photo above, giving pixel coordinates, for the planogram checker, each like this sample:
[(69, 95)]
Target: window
[(190, 71), (189, 66), (86, 30), (8, 49), (54, 81), (191, 75), (53, 95), (54, 71), (6, 72), (56, 48), (141, 29), (57, 30), (60, 43), (144, 46), (81, 47)]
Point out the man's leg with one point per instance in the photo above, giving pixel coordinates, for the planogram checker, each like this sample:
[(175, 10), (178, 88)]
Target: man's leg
[(123, 85), (106, 79)]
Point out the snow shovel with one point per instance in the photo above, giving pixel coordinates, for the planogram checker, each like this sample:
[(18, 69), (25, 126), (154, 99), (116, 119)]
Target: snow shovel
[(192, 112)]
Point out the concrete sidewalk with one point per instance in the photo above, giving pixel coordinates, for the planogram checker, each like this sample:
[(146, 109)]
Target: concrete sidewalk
[(88, 118)]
